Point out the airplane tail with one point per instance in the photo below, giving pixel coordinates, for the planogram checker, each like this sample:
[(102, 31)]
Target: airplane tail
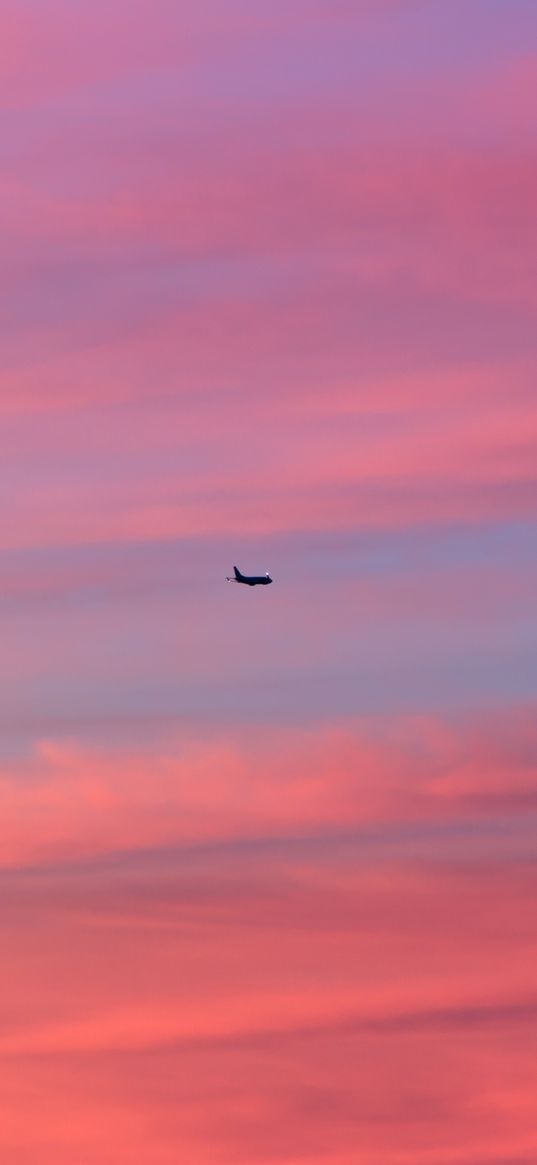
[(238, 574)]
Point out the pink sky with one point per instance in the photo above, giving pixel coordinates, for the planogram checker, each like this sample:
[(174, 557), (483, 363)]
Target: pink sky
[(268, 857)]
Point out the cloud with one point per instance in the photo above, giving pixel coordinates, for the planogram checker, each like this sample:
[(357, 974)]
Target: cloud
[(304, 1003), (268, 283), (308, 990), (69, 801), (387, 452), (290, 316)]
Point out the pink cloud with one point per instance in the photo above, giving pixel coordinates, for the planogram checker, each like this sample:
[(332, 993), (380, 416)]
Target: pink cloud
[(445, 446), (507, 95), (310, 1000), (54, 52), (68, 802), (439, 216), (309, 1006), (246, 295)]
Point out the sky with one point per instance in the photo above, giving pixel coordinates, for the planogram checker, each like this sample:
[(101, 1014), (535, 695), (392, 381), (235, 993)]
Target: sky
[(267, 856)]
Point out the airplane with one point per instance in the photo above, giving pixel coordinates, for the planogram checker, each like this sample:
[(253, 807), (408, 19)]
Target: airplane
[(251, 580)]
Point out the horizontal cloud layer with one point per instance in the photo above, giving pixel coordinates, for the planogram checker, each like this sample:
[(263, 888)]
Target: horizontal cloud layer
[(70, 802)]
